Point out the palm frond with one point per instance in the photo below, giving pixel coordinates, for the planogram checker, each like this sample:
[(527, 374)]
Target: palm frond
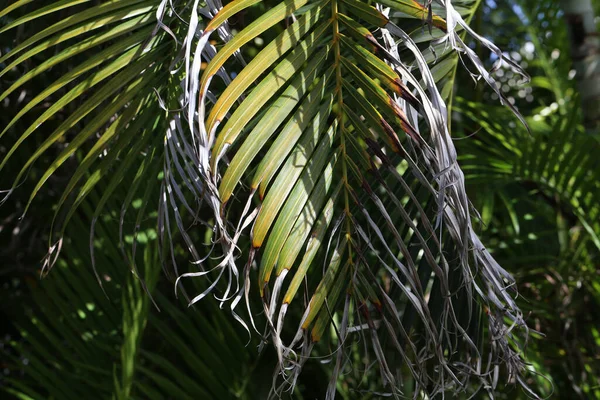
[(113, 89), (103, 343), (540, 205), (556, 162), (330, 148), (317, 141)]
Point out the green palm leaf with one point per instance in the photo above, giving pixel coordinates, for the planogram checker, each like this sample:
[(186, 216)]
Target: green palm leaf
[(557, 162), (116, 81), (103, 344)]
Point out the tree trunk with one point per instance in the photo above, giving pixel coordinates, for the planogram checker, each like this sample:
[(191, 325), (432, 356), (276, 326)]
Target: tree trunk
[(585, 52)]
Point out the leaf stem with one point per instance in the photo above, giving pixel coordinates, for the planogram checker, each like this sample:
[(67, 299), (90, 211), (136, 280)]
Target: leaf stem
[(340, 117)]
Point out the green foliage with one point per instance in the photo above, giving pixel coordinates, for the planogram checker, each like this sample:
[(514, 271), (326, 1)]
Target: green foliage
[(84, 341), (538, 194), (315, 180)]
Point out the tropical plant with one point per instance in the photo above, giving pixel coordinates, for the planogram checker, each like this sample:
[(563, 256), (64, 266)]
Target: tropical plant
[(539, 196), (290, 164), (112, 342), (541, 217)]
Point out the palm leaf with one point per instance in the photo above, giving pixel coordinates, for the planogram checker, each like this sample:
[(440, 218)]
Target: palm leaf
[(317, 140), (545, 199), (116, 81), (330, 147), (103, 344)]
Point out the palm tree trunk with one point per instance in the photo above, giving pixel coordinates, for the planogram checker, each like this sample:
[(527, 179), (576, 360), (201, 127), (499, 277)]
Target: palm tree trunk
[(585, 52)]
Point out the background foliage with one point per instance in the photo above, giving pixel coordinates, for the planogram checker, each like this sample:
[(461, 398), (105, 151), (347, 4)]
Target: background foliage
[(538, 195)]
